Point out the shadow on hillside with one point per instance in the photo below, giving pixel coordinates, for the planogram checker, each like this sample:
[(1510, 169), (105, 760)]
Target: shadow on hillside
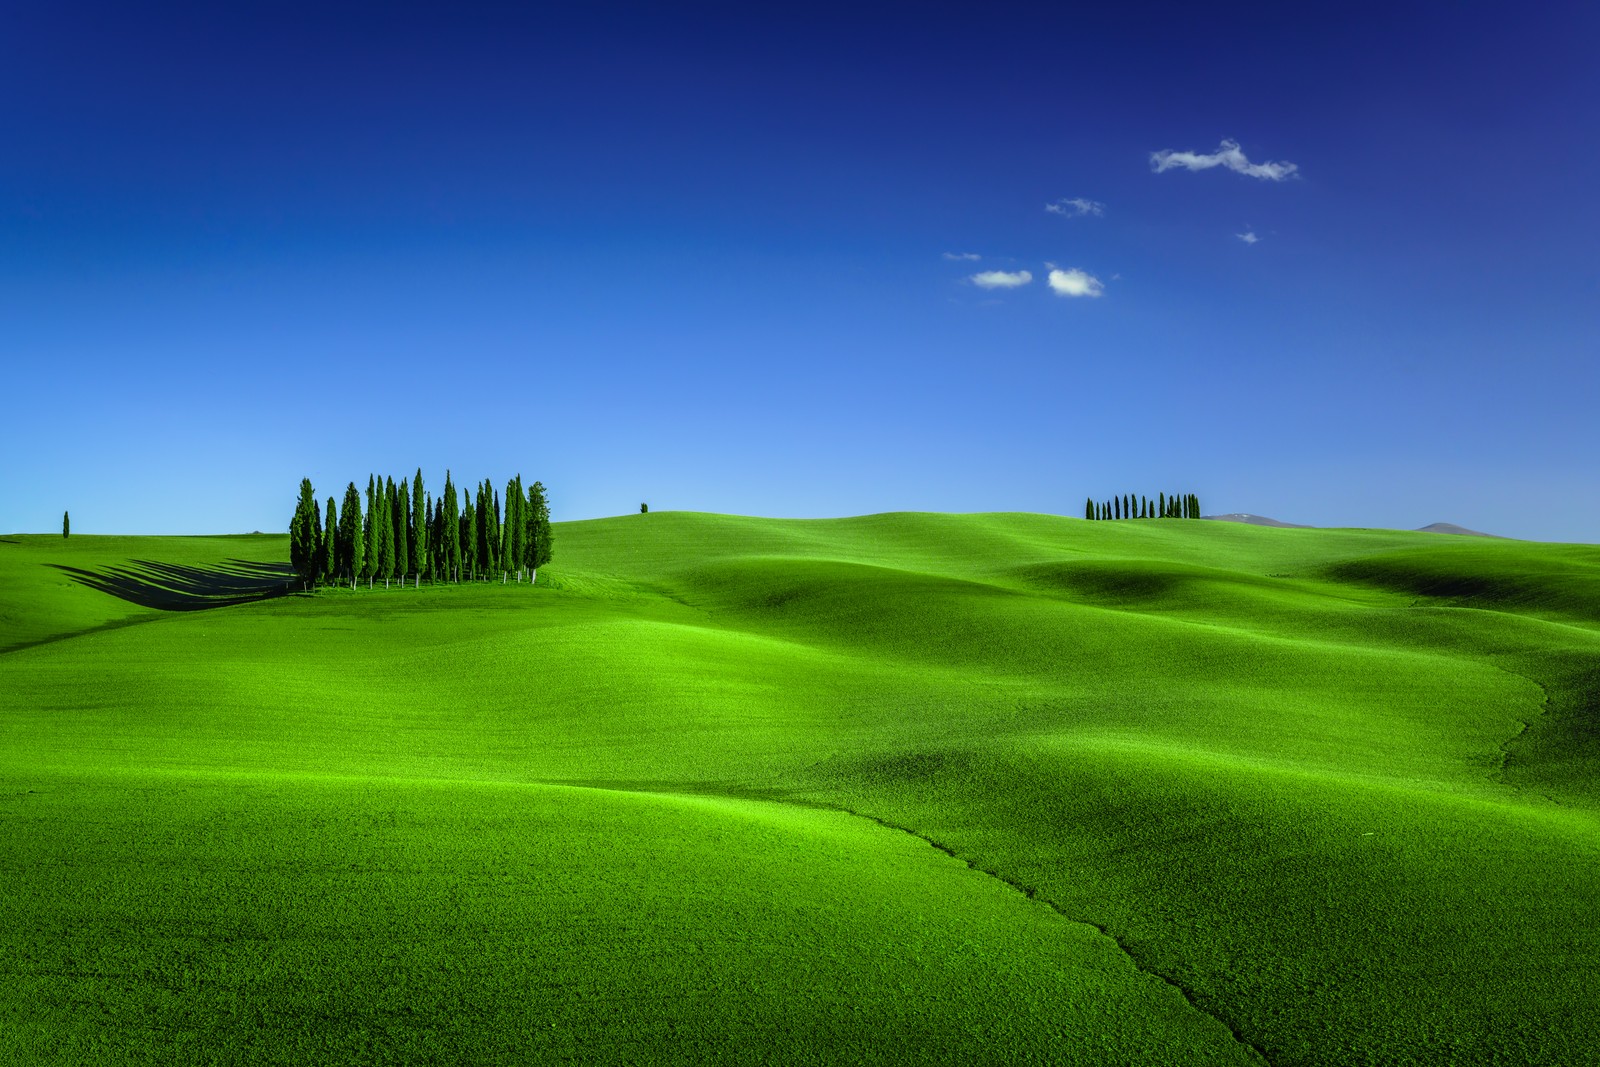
[(171, 587)]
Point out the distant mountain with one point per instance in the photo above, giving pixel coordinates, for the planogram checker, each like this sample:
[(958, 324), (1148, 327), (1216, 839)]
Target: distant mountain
[(1452, 528), (1255, 520), (1262, 520)]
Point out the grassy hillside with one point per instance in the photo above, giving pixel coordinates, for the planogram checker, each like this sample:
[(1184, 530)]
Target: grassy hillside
[(915, 787)]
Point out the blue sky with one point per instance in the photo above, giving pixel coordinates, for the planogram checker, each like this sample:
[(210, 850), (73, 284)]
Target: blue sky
[(704, 259)]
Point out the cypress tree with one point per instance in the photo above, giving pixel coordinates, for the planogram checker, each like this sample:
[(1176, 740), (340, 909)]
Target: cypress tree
[(469, 536), (1117, 506), (481, 548), (330, 542), (450, 528), (439, 560), (1161, 503), (516, 525), (316, 537), (66, 525), (303, 535), (539, 529), (1088, 509), (402, 529), (419, 527), (495, 527), (350, 543), (386, 560), (370, 547)]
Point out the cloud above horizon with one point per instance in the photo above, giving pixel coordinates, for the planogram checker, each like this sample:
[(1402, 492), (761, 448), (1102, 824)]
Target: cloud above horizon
[(962, 256), (1075, 282), (1227, 155), (1075, 207), (1001, 279), (1248, 237)]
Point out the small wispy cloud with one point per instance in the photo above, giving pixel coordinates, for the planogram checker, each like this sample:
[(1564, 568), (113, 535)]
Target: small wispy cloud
[(1227, 155), (1075, 282), (959, 257), (1001, 279), (1075, 207), (1248, 237)]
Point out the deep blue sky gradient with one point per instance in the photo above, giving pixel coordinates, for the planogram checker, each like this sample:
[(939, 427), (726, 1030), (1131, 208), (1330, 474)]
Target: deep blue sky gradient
[(697, 258)]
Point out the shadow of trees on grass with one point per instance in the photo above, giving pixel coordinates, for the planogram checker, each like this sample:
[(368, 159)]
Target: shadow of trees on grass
[(173, 587)]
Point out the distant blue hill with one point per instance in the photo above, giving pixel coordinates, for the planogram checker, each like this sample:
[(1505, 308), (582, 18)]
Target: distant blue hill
[(1262, 520)]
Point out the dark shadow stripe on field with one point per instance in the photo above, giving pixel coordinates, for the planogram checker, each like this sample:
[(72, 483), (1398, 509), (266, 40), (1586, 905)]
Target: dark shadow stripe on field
[(778, 796), (172, 587)]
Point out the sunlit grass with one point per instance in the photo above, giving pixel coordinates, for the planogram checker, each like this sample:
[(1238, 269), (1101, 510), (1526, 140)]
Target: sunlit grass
[(1334, 787)]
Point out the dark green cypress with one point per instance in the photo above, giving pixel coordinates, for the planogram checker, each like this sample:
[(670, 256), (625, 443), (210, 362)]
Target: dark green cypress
[(541, 539), (402, 529), (481, 526), (469, 536), (303, 535), (419, 526), (370, 560), (66, 525), (330, 542), (450, 528), (383, 520), (495, 527), (351, 544), (516, 526)]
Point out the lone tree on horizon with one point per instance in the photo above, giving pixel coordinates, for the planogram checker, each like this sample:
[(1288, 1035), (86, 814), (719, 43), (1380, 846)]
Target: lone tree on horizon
[(66, 525)]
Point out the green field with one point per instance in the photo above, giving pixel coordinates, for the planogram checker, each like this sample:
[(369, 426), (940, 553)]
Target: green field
[(911, 787)]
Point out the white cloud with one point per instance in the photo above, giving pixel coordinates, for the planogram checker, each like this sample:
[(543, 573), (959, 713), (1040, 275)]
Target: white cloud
[(1000, 279), (1226, 155), (1076, 207), (959, 256), (1248, 237), (1075, 282)]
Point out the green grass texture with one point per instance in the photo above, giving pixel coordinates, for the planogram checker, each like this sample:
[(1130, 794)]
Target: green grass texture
[(900, 788)]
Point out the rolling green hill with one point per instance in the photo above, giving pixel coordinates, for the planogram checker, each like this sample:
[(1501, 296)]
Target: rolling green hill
[(920, 788)]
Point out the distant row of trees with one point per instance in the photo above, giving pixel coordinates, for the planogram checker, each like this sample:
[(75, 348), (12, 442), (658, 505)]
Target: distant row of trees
[(405, 533), (1186, 506)]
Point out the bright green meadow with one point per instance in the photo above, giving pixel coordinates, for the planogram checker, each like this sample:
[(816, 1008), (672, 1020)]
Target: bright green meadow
[(900, 788)]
